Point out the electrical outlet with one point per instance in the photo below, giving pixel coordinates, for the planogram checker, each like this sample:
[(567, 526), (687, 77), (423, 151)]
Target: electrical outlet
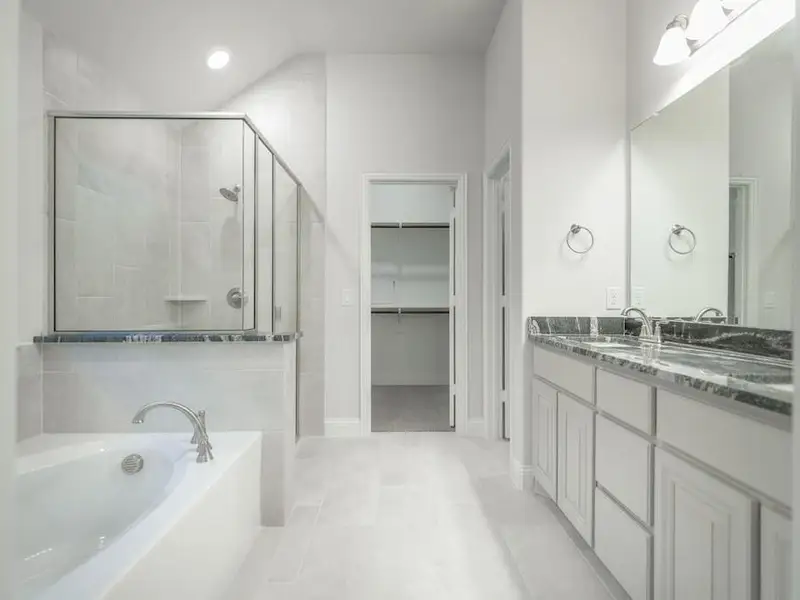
[(637, 297), (614, 298)]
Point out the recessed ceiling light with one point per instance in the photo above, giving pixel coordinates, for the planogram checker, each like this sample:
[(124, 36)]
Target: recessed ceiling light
[(218, 59)]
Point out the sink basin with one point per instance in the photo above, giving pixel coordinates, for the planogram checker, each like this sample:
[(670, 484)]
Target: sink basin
[(607, 345)]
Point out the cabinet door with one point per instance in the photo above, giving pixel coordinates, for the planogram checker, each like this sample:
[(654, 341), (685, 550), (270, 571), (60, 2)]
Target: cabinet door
[(545, 427), (776, 556), (703, 535), (576, 464)]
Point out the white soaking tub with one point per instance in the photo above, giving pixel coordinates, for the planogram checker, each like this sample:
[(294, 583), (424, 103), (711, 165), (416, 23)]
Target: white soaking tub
[(175, 529)]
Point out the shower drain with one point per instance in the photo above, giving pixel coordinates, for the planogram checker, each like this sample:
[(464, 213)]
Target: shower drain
[(132, 464)]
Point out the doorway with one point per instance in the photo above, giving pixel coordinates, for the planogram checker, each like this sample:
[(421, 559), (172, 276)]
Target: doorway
[(413, 324), (496, 297), (742, 198)]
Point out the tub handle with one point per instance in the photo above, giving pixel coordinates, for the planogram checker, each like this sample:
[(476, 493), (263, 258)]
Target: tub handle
[(201, 416)]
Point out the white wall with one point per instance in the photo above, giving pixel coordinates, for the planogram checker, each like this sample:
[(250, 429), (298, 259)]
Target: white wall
[(650, 87), (9, 52), (288, 106), (680, 175), (574, 154), (399, 114), (761, 130), (503, 130)]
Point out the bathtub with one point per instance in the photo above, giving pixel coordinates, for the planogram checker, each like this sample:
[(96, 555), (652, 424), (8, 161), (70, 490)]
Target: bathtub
[(87, 530)]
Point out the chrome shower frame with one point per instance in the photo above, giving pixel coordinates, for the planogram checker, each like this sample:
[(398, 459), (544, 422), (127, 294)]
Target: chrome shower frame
[(53, 116)]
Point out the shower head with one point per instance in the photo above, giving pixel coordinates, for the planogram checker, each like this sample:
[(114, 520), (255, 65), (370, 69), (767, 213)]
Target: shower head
[(231, 195)]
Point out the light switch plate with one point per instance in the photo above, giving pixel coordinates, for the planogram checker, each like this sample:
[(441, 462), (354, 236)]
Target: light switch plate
[(614, 297), (348, 297), (637, 296)]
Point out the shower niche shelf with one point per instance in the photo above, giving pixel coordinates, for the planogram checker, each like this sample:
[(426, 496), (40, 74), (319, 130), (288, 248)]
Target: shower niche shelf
[(185, 299)]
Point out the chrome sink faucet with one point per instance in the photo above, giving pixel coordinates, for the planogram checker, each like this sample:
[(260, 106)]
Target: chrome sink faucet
[(647, 326), (709, 309), (198, 422)]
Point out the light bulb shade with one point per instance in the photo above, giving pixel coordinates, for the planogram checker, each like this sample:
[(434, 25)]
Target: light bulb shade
[(707, 20), (737, 5), (673, 47)]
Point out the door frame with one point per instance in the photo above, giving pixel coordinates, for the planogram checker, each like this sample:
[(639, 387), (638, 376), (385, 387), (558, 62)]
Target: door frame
[(491, 289), (459, 181), (748, 286)]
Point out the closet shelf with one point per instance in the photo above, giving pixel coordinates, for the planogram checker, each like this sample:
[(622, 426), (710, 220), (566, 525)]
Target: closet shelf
[(396, 310), (406, 225)]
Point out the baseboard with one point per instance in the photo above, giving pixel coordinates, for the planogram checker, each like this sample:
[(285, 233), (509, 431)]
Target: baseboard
[(476, 428), (521, 475), (338, 428)]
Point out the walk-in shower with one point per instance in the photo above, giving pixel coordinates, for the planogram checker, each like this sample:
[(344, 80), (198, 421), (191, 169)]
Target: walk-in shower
[(159, 218)]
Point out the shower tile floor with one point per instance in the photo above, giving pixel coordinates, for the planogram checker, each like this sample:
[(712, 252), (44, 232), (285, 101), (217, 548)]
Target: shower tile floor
[(410, 408), (415, 516)]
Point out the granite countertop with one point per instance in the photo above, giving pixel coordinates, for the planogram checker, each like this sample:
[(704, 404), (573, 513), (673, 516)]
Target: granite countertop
[(139, 337), (758, 381)]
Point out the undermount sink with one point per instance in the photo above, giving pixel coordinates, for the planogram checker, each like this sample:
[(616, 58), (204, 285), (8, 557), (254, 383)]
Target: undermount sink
[(607, 345)]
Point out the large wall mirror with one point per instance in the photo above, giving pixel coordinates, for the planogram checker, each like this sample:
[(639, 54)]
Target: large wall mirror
[(711, 195)]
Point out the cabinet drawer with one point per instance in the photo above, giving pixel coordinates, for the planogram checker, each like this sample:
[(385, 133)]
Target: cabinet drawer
[(622, 466), (755, 454), (567, 373), (623, 546), (628, 400)]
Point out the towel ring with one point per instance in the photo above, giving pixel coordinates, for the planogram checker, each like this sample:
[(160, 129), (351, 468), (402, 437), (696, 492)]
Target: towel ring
[(677, 230), (575, 230)]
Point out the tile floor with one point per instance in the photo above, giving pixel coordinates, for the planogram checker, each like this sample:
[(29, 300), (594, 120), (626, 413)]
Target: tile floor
[(410, 408), (408, 516)]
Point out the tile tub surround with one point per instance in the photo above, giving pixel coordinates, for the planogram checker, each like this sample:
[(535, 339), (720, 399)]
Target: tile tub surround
[(29, 391), (759, 383), (171, 337), (97, 388)]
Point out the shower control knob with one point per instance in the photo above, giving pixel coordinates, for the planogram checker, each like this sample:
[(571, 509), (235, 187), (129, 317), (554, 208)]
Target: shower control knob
[(236, 298)]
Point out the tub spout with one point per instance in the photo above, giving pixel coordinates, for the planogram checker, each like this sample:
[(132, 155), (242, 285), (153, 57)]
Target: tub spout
[(200, 436)]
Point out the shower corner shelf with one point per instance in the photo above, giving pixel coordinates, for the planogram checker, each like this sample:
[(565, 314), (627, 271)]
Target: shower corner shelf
[(187, 299)]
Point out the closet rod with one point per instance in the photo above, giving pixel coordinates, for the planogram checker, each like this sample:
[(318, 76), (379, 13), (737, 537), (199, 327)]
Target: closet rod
[(410, 311), (411, 225)]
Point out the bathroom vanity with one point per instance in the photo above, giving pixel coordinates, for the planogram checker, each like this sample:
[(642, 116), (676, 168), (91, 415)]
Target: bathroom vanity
[(672, 461)]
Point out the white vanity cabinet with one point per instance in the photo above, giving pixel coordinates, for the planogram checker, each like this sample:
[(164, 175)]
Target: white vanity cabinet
[(576, 464), (776, 555), (703, 535), (680, 497), (545, 427)]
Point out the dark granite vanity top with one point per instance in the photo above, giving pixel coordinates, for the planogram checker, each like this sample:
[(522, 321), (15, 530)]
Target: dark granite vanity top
[(139, 337), (760, 381)]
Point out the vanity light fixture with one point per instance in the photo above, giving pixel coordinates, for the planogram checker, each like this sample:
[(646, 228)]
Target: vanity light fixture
[(218, 58), (674, 46), (708, 19)]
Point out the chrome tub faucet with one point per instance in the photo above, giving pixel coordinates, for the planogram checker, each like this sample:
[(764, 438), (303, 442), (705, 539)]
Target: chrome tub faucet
[(198, 421)]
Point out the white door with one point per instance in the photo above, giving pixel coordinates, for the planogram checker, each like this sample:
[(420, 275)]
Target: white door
[(545, 425), (576, 464), (452, 302), (502, 274), (703, 535), (776, 556)]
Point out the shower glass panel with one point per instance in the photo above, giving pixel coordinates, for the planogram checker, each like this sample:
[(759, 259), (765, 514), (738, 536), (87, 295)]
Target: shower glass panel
[(167, 223), (285, 220)]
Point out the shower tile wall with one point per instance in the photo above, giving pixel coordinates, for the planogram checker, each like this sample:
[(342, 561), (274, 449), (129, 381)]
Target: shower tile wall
[(29, 391), (211, 236), (117, 184)]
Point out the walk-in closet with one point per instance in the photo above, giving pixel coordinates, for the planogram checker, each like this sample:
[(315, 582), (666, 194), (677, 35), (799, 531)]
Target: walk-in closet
[(412, 306)]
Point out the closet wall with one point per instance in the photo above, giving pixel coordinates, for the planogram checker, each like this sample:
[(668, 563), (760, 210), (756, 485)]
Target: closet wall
[(411, 263)]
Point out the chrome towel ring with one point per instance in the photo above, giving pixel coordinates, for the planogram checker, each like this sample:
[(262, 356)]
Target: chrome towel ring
[(678, 231), (575, 230)]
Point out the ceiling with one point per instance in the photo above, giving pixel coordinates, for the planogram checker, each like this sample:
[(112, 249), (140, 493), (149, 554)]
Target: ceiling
[(160, 46)]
